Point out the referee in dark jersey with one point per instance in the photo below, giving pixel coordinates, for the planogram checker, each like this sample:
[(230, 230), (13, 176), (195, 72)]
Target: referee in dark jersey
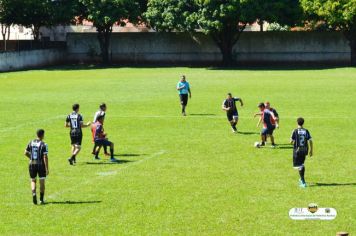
[(37, 152), (74, 121)]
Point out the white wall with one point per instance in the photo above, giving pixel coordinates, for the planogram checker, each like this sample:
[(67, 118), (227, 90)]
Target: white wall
[(10, 61), (252, 48)]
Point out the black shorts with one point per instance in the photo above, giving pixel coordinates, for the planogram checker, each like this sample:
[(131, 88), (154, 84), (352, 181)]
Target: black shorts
[(232, 116), (102, 142), (183, 99), (76, 139), (35, 169), (298, 159), (268, 130)]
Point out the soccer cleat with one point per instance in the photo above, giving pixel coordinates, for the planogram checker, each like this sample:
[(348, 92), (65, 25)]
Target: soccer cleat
[(183, 113), (34, 199), (70, 160), (113, 159), (97, 158), (42, 202), (302, 184), (273, 146), (74, 160)]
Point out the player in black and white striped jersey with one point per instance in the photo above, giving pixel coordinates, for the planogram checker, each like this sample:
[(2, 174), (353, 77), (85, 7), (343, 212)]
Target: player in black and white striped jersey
[(100, 113), (37, 152), (74, 121)]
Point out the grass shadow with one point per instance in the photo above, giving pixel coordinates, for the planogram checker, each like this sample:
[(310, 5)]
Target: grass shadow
[(129, 155), (74, 202), (331, 184), (104, 162), (284, 147), (247, 133), (280, 67)]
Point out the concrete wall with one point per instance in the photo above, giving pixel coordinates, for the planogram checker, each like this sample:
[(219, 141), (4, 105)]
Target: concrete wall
[(181, 48), (252, 48), (30, 59)]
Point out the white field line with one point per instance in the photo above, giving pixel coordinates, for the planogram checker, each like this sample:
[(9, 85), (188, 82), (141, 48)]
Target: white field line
[(130, 165), (39, 122), (90, 180)]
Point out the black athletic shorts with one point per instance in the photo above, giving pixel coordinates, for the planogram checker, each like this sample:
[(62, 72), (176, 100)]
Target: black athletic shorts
[(298, 159), (35, 169), (268, 130), (76, 139), (102, 142), (231, 116), (183, 99)]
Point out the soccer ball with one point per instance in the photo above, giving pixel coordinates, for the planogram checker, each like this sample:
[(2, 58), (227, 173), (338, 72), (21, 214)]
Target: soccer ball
[(257, 145)]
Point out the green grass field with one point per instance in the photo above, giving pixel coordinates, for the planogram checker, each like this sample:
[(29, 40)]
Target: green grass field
[(178, 175)]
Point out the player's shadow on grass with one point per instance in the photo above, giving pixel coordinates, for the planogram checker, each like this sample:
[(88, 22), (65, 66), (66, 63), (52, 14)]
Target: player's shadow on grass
[(331, 184), (284, 146), (247, 133), (74, 202), (129, 155), (107, 162)]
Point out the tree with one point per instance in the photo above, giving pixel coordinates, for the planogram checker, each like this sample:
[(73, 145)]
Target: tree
[(6, 19), (35, 14), (338, 14), (105, 13), (283, 12), (224, 21)]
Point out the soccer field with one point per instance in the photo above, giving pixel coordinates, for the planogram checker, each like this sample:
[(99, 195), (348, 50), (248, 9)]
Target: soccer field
[(178, 175)]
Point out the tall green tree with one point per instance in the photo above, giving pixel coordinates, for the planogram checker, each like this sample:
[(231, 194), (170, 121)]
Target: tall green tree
[(338, 14), (283, 12), (5, 26), (105, 13), (224, 20), (7, 18), (35, 14)]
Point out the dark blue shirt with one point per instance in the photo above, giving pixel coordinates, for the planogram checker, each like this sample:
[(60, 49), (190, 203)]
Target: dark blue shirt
[(300, 137)]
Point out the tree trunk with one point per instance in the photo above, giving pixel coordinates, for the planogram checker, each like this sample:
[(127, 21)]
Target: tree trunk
[(3, 33), (353, 52), (8, 32), (226, 40), (350, 35), (104, 36), (226, 50), (36, 33), (260, 22)]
